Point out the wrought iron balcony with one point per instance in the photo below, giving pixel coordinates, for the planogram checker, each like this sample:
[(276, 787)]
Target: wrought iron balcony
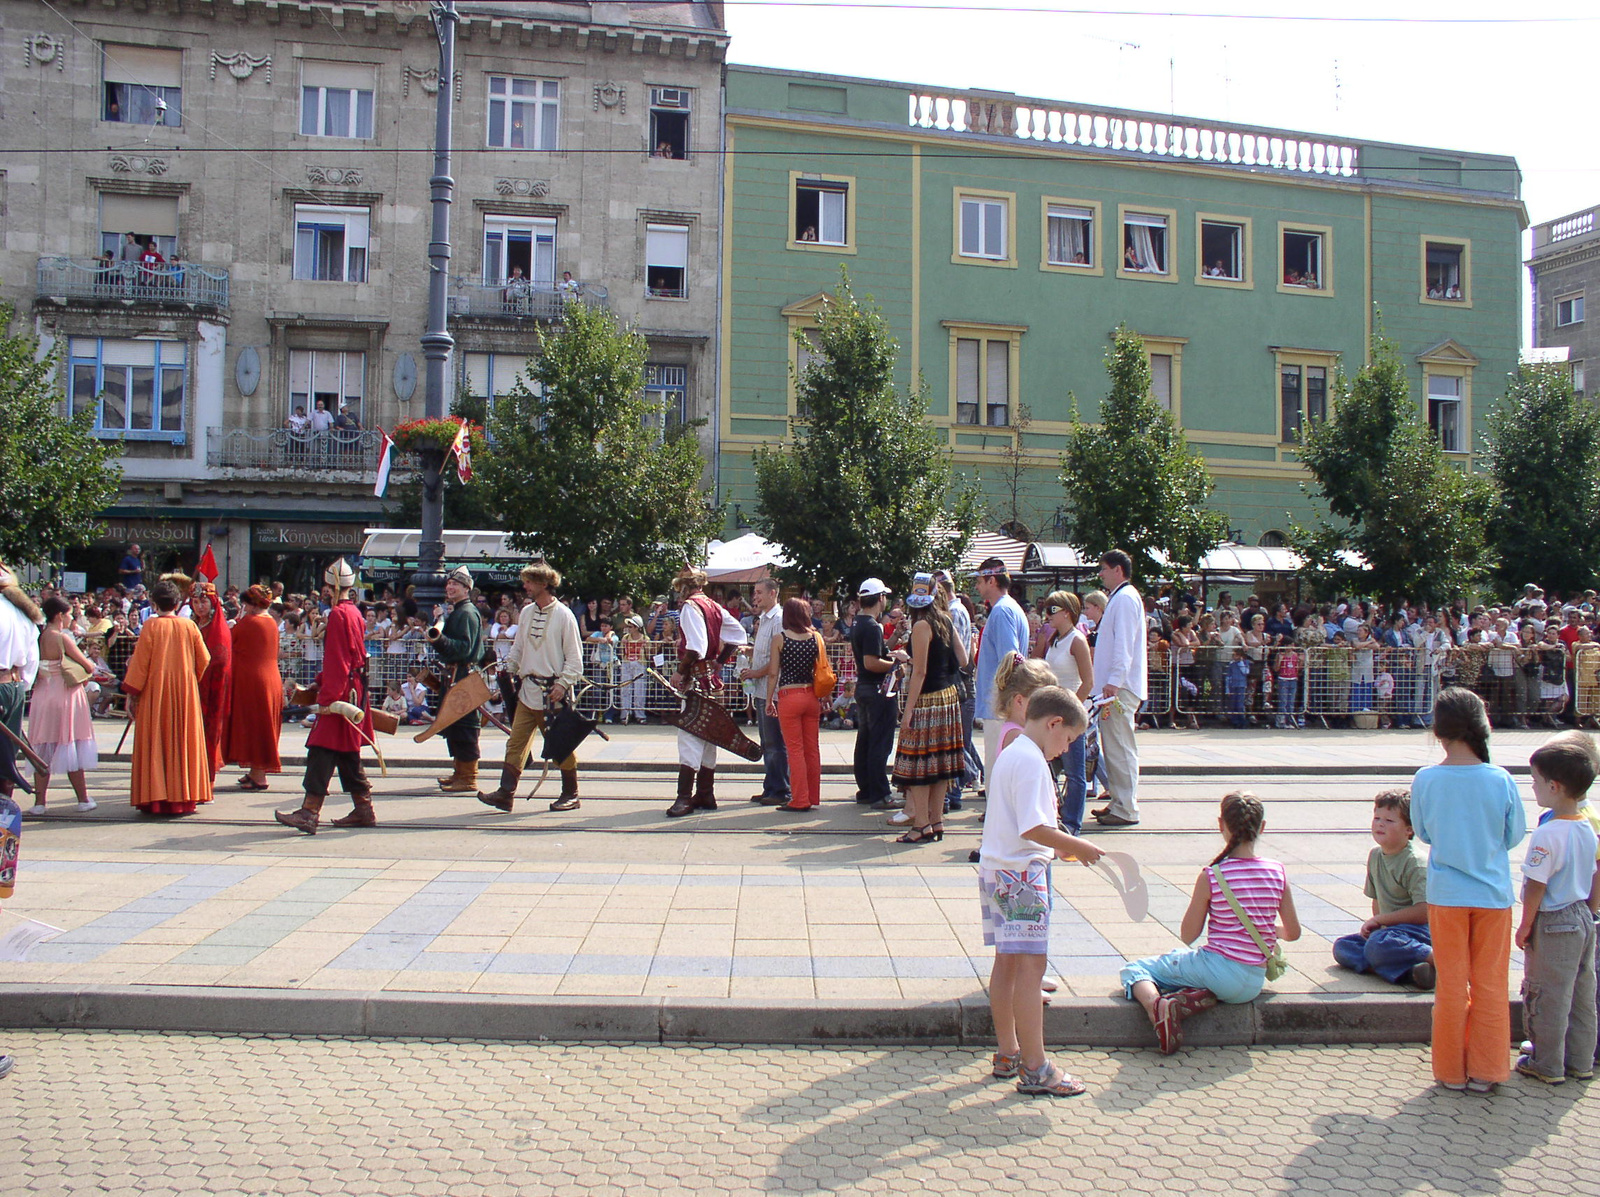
[(280, 451), (520, 300), (95, 280)]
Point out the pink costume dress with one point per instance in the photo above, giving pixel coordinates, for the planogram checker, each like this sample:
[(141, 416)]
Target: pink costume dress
[(59, 723)]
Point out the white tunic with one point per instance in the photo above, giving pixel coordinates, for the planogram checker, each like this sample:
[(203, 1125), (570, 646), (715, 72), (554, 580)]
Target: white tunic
[(546, 645), (19, 643)]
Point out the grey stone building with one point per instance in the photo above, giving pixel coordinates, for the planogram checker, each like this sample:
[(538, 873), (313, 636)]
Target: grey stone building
[(218, 213), (1565, 266)]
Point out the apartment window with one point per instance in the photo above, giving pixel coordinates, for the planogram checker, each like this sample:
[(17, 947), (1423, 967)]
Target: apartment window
[(666, 389), (516, 248), (821, 211), (134, 388), (666, 265), (807, 349), (142, 85), (669, 122), (1303, 259), (490, 376), (983, 382), (336, 99), (1569, 311), (1444, 411), (152, 219), (1444, 278), (335, 378), (523, 113), (330, 244), (1069, 236), (983, 227), (1577, 377), (1222, 251), (1303, 396), (1161, 379)]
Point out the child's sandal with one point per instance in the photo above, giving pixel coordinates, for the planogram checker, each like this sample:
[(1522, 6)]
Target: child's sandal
[(1050, 1081), (1005, 1064)]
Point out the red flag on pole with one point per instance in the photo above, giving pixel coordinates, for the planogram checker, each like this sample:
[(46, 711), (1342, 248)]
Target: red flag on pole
[(207, 568), (462, 448)]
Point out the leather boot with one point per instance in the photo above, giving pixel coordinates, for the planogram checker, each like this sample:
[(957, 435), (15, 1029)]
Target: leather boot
[(704, 799), (465, 780), (302, 820), (362, 816), (502, 798), (455, 776), (685, 803), (568, 799)]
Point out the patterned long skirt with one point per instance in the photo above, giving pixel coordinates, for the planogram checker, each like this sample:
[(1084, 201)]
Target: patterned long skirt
[(932, 749)]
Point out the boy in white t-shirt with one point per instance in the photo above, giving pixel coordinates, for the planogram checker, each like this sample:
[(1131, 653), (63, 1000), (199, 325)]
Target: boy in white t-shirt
[(1020, 839), (1560, 894)]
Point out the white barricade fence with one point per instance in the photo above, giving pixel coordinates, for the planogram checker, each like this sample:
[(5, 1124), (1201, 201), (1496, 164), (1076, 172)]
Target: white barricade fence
[(1586, 670)]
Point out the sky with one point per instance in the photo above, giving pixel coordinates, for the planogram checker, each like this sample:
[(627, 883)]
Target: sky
[(1519, 83)]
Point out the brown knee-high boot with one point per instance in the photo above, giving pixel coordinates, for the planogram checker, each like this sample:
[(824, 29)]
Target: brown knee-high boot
[(685, 803), (362, 816), (502, 798), (704, 798), (568, 799), (304, 819), (463, 781)]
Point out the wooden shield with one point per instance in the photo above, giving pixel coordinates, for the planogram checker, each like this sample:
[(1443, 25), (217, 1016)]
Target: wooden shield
[(466, 696)]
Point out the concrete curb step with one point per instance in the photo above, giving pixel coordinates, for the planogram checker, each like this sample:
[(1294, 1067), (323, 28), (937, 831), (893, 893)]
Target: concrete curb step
[(1083, 1022)]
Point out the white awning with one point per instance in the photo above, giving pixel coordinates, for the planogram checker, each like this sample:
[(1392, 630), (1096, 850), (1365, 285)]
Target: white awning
[(401, 544)]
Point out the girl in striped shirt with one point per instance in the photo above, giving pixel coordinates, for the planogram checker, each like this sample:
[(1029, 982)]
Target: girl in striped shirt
[(1230, 967)]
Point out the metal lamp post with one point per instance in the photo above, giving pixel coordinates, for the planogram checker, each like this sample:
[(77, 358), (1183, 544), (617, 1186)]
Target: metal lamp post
[(437, 341)]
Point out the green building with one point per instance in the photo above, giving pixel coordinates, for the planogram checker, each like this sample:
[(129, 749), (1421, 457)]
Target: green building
[(1005, 238)]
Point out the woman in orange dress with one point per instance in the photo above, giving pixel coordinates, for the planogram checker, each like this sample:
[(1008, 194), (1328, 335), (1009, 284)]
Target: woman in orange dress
[(257, 693), (171, 774), (216, 684)]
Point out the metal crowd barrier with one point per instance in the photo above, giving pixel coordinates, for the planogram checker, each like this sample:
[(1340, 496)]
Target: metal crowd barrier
[(1587, 671)]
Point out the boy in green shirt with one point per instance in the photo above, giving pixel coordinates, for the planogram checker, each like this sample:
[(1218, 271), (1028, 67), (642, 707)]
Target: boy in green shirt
[(1395, 942)]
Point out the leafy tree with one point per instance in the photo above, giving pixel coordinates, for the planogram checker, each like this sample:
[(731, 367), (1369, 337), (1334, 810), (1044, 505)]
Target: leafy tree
[(1131, 481), (1543, 452), (55, 475), (1416, 519), (580, 471), (867, 487)]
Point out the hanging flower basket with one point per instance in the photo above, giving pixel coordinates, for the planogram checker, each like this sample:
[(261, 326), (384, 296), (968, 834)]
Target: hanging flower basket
[(417, 435)]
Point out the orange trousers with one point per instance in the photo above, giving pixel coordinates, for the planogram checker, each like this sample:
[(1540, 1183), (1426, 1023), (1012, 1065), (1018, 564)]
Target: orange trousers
[(1472, 1000), (799, 714)]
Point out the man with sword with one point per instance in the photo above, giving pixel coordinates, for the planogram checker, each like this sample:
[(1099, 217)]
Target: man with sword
[(459, 645)]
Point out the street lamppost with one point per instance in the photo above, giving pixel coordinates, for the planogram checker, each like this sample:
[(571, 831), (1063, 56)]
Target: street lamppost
[(437, 341)]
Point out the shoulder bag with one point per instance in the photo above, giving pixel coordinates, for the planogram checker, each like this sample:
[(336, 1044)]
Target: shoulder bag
[(1275, 963), (75, 674), (823, 681)]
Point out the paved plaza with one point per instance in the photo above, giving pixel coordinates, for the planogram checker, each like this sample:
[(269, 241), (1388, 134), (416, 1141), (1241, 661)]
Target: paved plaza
[(121, 1114)]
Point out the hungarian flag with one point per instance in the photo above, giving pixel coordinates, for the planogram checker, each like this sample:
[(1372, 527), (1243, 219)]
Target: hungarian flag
[(462, 448), (207, 568), (385, 461)]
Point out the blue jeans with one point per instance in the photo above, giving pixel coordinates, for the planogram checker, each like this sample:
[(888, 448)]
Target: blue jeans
[(1288, 691), (774, 759), (1196, 968), (1076, 787), (1235, 704), (1390, 952)]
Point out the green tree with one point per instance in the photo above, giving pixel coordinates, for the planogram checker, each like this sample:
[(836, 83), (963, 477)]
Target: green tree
[(1397, 502), (1131, 480), (580, 470), (1543, 452), (866, 488), (56, 477)]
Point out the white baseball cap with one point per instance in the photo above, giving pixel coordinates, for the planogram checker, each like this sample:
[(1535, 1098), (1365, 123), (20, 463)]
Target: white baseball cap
[(872, 587)]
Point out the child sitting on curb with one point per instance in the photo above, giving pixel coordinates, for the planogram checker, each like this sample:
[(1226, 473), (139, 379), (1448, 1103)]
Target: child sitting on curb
[(1232, 966), (1394, 943), (1020, 839)]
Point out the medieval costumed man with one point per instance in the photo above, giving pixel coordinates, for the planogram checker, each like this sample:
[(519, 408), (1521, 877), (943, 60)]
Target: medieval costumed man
[(19, 665), (171, 769), (257, 693), (547, 656), (335, 742), (706, 632), (459, 645), (216, 684)]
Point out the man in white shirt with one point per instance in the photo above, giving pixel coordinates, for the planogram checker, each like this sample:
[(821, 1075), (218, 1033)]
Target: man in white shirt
[(768, 631), (19, 665), (547, 656), (1119, 678), (705, 629)]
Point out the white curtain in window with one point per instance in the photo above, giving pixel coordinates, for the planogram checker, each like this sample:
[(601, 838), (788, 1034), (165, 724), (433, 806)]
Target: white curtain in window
[(1068, 227), (1144, 248), (831, 207)]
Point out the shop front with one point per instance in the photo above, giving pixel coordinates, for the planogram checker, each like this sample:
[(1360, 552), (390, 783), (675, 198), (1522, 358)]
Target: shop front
[(165, 546), (296, 554)]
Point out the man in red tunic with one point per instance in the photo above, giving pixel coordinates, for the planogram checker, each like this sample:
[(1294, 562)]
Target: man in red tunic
[(335, 742)]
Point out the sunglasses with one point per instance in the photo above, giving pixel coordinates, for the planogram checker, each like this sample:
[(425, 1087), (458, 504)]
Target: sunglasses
[(1051, 609)]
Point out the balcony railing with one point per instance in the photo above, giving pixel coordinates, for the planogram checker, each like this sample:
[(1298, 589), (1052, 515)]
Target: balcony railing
[(520, 300), (180, 283), (281, 450)]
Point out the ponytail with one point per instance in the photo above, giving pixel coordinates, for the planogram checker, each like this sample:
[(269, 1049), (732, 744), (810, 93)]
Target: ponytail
[(1459, 714), (1244, 817), (1019, 677)]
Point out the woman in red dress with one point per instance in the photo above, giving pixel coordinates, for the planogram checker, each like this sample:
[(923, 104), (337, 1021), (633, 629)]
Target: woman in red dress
[(257, 693), (216, 684)]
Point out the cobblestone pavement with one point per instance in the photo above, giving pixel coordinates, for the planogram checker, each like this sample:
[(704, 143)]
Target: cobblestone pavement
[(125, 1113)]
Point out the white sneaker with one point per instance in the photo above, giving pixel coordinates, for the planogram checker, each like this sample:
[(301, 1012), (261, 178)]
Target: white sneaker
[(37, 808), (899, 818), (87, 804)]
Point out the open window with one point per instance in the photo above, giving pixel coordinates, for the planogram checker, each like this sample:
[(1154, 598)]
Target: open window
[(669, 122), (1303, 259), (131, 223), (330, 243), (666, 266), (141, 85), (1444, 411), (666, 390), (1144, 243), (1069, 236), (821, 211), (1222, 251), (983, 381), (517, 249), (335, 378), (1569, 310), (1444, 268)]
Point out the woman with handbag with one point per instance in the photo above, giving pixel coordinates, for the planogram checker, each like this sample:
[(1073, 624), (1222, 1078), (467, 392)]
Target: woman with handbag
[(796, 703), (59, 723), (932, 749)]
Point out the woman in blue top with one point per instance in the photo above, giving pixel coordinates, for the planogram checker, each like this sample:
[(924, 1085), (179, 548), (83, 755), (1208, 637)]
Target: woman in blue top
[(1469, 812)]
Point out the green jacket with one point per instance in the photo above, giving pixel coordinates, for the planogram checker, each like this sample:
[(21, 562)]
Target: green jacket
[(461, 642)]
